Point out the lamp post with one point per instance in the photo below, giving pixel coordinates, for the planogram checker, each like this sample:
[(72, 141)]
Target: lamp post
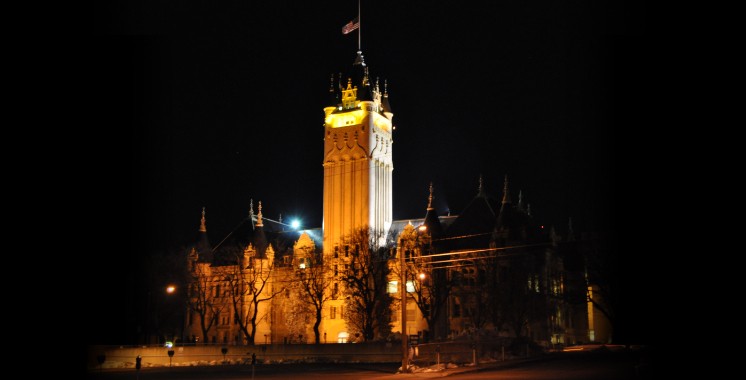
[(403, 291), (152, 311)]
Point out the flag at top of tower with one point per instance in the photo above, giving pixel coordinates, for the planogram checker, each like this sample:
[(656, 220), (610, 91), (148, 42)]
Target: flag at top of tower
[(350, 26)]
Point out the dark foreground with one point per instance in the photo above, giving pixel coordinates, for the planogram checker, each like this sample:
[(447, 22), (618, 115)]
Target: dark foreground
[(570, 365)]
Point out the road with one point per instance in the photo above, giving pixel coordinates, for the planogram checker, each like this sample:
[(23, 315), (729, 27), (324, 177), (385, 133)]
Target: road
[(572, 365)]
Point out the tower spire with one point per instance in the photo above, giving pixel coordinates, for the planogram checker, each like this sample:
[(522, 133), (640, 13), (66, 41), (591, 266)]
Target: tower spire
[(480, 190), (202, 225), (430, 198), (259, 216), (520, 199), (506, 196)]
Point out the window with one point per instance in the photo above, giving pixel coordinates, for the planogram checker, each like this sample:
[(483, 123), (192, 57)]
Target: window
[(217, 290), (302, 263), (347, 251), (333, 312), (393, 286), (287, 293), (410, 287), (336, 271), (336, 252), (335, 291)]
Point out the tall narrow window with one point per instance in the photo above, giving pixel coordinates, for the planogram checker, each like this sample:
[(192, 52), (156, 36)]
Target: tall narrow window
[(333, 312)]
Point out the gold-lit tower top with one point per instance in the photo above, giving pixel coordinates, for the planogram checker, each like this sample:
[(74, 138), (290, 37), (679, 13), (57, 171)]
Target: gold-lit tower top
[(430, 198), (259, 216), (202, 223), (506, 197)]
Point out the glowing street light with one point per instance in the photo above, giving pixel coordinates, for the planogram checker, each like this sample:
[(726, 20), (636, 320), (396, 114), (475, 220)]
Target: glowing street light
[(170, 289), (295, 223)]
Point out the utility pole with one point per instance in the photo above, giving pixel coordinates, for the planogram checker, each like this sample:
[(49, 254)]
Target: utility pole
[(404, 348)]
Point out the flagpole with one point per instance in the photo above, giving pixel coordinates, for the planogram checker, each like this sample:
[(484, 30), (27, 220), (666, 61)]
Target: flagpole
[(360, 28)]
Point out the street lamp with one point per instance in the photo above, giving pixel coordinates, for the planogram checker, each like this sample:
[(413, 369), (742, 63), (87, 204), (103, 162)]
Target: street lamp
[(153, 322), (403, 291), (403, 271)]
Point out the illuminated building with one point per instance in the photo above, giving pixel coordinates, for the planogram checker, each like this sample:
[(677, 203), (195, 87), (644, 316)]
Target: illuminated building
[(491, 269)]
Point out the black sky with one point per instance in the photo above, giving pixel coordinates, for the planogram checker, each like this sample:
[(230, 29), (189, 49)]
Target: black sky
[(211, 104)]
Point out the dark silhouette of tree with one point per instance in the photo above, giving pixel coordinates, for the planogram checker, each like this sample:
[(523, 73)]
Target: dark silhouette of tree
[(602, 279), (249, 286), (367, 310), (431, 284), (202, 301), (313, 282)]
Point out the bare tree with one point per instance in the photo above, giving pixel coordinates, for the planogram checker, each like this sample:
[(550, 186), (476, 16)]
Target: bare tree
[(202, 301), (602, 279), (431, 284), (523, 299), (489, 283), (314, 281), (249, 286), (368, 303), (296, 311)]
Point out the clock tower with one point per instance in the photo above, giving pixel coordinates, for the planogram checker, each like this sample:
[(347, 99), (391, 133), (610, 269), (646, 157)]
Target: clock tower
[(357, 157)]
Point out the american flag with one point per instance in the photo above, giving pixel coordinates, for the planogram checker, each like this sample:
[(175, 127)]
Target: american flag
[(350, 26)]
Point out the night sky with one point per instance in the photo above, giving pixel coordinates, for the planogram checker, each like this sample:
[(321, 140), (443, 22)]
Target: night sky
[(214, 104)]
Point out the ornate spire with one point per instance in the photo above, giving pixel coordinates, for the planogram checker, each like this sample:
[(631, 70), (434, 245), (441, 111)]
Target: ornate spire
[(280, 218), (259, 216), (528, 209), (251, 208), (430, 198), (480, 190), (520, 199), (385, 87), (506, 196), (202, 225), (359, 60)]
